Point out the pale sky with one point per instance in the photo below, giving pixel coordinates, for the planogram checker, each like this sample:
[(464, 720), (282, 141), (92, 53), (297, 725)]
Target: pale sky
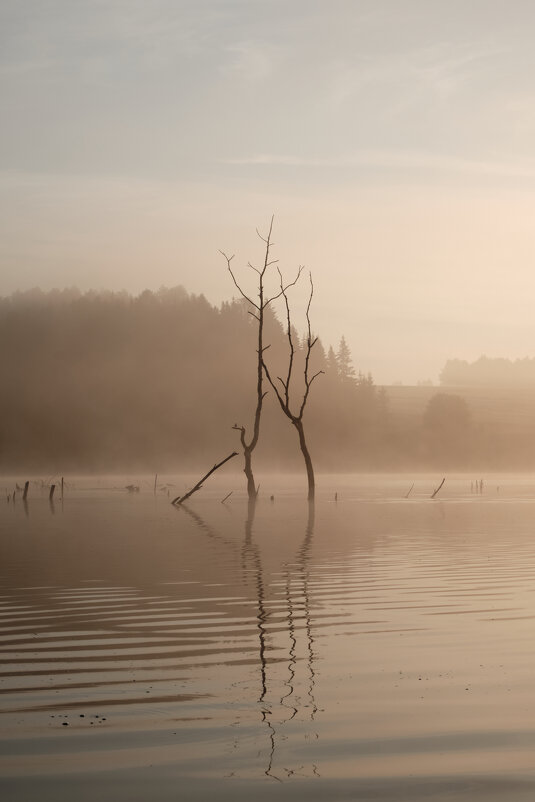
[(394, 140)]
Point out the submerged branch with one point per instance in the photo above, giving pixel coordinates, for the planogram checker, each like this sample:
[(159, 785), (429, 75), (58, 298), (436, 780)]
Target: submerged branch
[(438, 488), (180, 499)]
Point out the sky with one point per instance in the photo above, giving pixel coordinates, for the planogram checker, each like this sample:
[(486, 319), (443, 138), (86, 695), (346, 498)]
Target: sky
[(393, 140)]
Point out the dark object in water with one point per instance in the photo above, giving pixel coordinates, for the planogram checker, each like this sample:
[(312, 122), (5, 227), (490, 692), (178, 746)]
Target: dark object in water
[(180, 499), (438, 488), (132, 488)]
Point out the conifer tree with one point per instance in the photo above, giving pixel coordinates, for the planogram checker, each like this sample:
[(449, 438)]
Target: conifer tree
[(346, 371), (332, 364)]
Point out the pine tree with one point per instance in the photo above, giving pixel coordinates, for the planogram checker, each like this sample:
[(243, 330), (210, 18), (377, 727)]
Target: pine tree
[(332, 364), (346, 371)]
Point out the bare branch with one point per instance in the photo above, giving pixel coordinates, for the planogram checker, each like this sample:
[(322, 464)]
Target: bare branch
[(315, 376), (240, 290), (267, 239), (286, 286), (241, 430), (438, 488), (307, 390), (180, 499), (280, 398)]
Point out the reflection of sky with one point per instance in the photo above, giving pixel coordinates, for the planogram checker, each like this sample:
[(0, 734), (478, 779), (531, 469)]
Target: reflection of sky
[(394, 142), (399, 630)]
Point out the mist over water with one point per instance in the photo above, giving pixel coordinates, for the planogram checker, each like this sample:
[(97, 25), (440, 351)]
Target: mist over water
[(377, 646)]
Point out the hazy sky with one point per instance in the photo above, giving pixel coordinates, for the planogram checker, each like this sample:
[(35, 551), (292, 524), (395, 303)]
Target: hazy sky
[(394, 140)]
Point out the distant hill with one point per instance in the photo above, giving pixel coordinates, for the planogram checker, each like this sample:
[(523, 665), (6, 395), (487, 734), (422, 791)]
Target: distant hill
[(501, 434), (489, 372), (508, 410)]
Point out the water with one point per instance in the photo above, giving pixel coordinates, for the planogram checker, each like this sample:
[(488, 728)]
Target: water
[(376, 647)]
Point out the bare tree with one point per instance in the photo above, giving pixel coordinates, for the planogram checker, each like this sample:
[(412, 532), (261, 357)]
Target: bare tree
[(258, 314), (283, 390)]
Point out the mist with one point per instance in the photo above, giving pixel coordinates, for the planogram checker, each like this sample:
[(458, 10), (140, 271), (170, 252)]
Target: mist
[(103, 381)]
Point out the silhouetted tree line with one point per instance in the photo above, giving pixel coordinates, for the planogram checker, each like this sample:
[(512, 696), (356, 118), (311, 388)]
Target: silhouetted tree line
[(104, 381), (487, 371)]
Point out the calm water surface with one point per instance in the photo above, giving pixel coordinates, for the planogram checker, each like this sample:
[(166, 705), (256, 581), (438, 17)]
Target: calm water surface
[(377, 647)]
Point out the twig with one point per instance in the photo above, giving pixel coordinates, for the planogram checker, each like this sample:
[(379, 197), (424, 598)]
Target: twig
[(438, 488), (226, 497), (410, 491), (179, 499)]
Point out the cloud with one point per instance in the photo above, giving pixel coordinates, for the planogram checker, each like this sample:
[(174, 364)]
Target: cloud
[(395, 160)]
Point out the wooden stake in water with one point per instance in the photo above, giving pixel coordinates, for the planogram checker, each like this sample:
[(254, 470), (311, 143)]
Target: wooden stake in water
[(155, 482), (51, 494), (24, 495)]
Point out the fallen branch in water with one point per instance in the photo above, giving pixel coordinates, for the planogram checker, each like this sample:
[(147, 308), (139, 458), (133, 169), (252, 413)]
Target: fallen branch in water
[(180, 499), (410, 491), (226, 497), (438, 488)]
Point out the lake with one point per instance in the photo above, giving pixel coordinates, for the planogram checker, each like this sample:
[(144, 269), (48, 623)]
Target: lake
[(373, 647)]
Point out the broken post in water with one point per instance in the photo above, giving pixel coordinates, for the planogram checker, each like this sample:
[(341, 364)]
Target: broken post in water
[(25, 494)]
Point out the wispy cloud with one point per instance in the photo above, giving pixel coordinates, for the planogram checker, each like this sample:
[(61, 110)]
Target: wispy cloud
[(395, 160)]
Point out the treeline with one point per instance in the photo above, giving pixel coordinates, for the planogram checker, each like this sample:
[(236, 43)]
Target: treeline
[(108, 381), (489, 372)]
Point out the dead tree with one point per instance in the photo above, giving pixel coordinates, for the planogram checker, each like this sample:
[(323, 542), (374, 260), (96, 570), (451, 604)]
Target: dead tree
[(283, 389), (259, 308)]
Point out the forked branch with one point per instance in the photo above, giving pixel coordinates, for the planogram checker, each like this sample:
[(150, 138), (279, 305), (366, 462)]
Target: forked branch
[(283, 395)]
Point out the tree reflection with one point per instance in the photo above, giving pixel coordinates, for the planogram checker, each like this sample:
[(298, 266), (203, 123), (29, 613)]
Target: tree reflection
[(296, 587), (280, 709)]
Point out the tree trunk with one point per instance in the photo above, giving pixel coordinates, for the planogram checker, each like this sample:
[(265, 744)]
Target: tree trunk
[(306, 456), (248, 471)]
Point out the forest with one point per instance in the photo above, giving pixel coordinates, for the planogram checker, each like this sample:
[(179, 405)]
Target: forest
[(108, 381), (103, 381)]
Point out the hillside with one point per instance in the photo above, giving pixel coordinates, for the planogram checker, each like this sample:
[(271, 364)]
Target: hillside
[(508, 410)]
